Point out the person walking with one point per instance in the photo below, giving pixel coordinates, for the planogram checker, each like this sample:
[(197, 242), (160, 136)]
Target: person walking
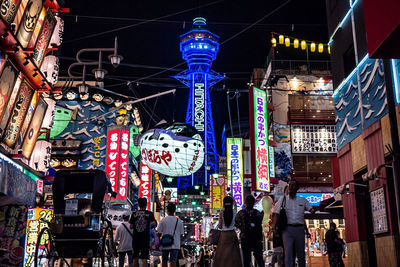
[(173, 226), (228, 252), (141, 221), (249, 222), (123, 236), (335, 246), (293, 235)]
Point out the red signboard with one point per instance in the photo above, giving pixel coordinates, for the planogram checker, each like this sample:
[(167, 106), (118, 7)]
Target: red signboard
[(123, 173), (145, 182), (117, 160), (382, 23)]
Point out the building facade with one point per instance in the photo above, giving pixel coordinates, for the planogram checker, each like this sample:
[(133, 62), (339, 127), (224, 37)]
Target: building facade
[(364, 138)]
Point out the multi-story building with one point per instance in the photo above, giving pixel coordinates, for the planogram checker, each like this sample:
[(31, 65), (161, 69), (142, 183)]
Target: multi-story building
[(362, 89)]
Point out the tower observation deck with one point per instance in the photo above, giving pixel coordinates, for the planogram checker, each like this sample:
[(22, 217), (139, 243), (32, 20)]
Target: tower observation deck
[(199, 49)]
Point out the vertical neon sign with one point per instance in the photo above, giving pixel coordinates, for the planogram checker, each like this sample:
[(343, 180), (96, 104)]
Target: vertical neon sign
[(235, 168), (145, 182), (259, 139)]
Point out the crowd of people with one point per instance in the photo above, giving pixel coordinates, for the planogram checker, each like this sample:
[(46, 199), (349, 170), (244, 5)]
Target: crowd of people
[(134, 236)]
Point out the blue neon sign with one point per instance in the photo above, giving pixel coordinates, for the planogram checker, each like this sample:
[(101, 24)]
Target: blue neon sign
[(315, 198)]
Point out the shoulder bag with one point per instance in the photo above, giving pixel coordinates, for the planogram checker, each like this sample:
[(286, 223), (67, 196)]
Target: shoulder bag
[(167, 239), (282, 218)]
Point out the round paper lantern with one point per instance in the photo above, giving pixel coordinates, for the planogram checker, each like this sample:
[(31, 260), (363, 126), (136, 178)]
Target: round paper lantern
[(57, 37), (172, 154), (50, 68)]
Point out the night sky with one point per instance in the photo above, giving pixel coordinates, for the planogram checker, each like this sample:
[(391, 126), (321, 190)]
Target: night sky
[(153, 46)]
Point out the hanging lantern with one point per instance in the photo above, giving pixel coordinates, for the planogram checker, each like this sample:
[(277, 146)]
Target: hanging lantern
[(303, 45), (281, 39), (320, 48), (296, 43), (50, 68), (273, 41), (287, 41), (57, 37), (329, 49), (312, 47)]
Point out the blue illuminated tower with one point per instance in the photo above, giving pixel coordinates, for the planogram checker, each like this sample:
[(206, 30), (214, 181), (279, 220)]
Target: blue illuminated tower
[(199, 48)]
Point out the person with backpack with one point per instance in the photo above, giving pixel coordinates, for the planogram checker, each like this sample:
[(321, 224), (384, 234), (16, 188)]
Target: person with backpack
[(171, 230), (335, 246), (123, 235), (249, 222), (228, 252)]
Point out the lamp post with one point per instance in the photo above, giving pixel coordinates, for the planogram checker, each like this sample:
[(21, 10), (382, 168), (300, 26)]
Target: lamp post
[(99, 72)]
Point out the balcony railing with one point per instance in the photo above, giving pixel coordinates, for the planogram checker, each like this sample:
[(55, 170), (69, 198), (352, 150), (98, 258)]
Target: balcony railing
[(316, 67), (311, 115)]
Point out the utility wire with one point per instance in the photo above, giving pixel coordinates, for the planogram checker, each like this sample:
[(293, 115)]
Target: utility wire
[(188, 22), (140, 23), (256, 22)]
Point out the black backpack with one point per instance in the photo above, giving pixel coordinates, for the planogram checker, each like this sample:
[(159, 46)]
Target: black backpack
[(252, 225)]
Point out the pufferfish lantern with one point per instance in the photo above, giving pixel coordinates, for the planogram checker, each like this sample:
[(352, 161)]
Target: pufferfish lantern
[(173, 150)]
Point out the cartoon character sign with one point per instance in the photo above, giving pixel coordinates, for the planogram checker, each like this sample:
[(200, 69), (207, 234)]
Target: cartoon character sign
[(172, 154)]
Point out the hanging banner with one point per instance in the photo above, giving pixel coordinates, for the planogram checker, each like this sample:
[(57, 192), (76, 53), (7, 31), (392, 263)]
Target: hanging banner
[(217, 192), (123, 173), (28, 118), (18, 114), (34, 129), (259, 138), (28, 22), (13, 230), (145, 182), (33, 227), (7, 110), (19, 14), (112, 160), (48, 119), (117, 160), (8, 10), (44, 38), (234, 153), (41, 155), (38, 26), (271, 162), (8, 77)]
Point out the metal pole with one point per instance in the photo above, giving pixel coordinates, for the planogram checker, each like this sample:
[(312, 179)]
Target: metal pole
[(229, 112), (237, 94), (394, 135)]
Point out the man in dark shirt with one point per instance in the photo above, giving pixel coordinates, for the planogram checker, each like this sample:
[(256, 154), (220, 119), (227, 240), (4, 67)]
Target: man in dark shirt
[(140, 223), (335, 247), (249, 223)]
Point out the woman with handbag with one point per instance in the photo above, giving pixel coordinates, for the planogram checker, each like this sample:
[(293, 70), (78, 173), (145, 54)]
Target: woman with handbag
[(228, 252)]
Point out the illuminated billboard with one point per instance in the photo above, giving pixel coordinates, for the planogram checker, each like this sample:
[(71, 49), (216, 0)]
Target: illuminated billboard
[(259, 139), (117, 160), (145, 182), (234, 153), (18, 113), (171, 154), (217, 191)]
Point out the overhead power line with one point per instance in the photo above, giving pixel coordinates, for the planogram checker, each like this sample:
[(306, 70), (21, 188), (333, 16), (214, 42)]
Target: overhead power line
[(140, 23)]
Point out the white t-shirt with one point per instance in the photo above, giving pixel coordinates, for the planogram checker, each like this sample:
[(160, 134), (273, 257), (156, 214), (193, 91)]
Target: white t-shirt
[(231, 226), (294, 209), (124, 238), (167, 226)]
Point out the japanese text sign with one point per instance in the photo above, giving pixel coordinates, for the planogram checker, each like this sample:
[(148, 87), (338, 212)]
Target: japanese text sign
[(235, 168), (218, 191), (261, 140), (145, 182), (34, 226), (117, 160)]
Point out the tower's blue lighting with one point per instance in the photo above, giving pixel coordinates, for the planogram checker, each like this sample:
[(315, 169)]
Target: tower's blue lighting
[(199, 48)]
